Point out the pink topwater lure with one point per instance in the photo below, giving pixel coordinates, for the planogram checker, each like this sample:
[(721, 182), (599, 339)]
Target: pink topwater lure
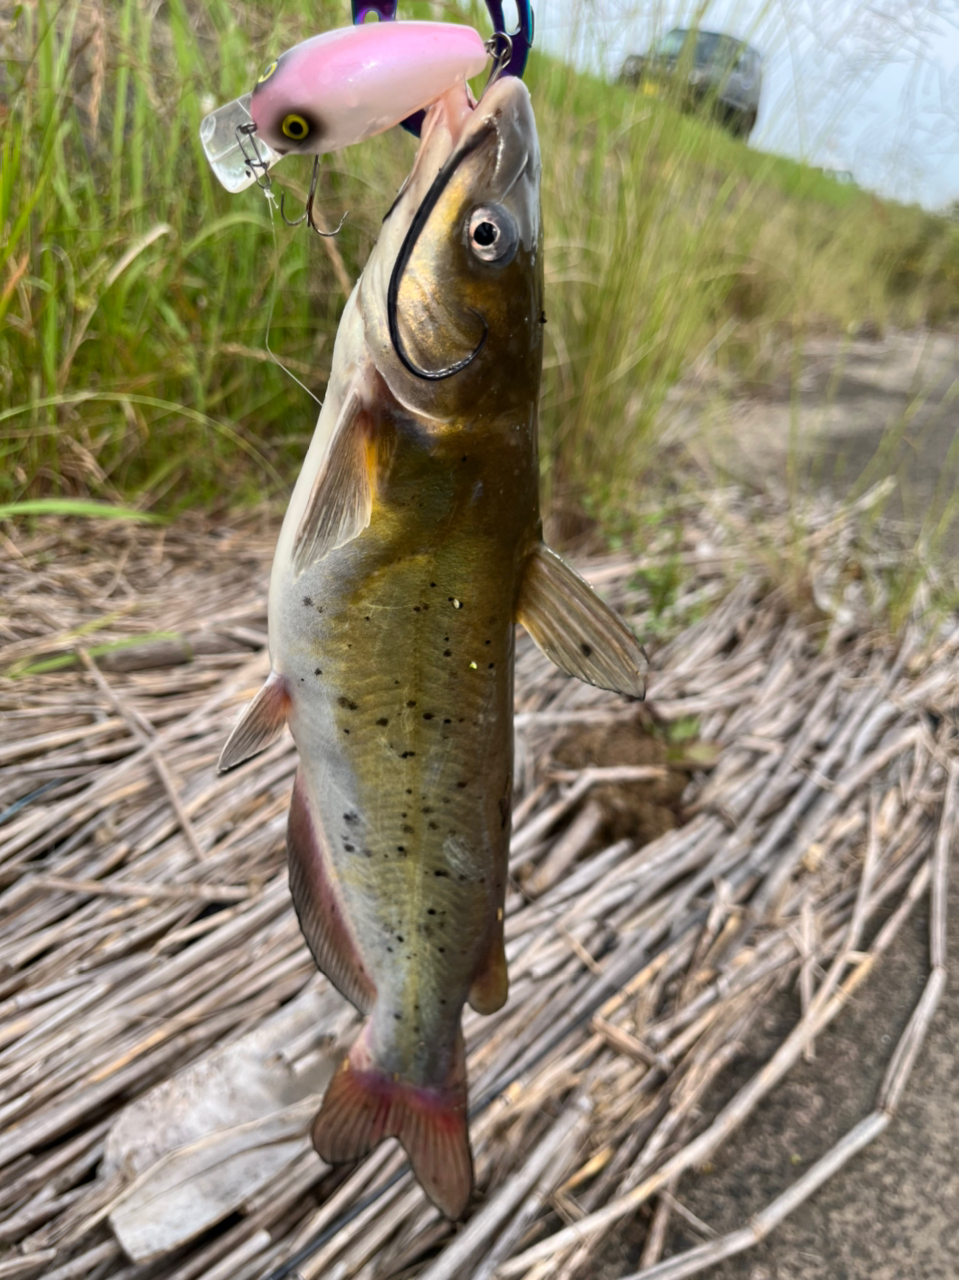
[(338, 88), (346, 85)]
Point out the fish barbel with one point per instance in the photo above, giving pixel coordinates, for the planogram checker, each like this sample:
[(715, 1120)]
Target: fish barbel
[(411, 547)]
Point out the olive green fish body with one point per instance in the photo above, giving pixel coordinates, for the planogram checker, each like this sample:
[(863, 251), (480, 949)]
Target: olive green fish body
[(411, 547), (397, 652)]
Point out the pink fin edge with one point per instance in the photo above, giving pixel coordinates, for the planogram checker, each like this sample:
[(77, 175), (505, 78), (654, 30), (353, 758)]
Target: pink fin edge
[(363, 1105)]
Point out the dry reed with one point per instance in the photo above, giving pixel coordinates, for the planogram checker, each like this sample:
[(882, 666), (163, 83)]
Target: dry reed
[(146, 933)]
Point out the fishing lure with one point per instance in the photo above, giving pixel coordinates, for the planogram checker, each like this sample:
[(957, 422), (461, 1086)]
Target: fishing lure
[(336, 89), (409, 58)]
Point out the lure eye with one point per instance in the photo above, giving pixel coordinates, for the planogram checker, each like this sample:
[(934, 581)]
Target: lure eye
[(268, 72), (295, 127), (492, 234)]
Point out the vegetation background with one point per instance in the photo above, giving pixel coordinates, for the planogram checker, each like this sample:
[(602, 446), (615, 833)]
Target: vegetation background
[(135, 294)]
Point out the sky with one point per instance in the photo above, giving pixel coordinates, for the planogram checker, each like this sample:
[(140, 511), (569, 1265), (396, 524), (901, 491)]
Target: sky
[(866, 85)]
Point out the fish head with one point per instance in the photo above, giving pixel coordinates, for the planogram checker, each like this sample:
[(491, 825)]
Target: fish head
[(452, 295)]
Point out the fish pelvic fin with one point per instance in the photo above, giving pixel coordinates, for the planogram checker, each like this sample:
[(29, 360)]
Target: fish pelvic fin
[(260, 724), (576, 630), (340, 504), (365, 1104), (318, 906)]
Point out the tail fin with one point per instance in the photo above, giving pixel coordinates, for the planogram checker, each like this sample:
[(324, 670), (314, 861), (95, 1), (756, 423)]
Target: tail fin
[(364, 1105)]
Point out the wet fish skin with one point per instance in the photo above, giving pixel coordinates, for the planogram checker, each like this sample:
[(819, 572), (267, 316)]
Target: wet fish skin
[(411, 546)]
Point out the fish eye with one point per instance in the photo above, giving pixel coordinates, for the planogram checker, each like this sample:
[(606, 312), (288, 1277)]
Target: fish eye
[(295, 127), (268, 72), (492, 234)]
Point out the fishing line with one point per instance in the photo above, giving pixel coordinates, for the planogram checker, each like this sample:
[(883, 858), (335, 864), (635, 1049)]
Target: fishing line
[(271, 202), (246, 140), (611, 983)]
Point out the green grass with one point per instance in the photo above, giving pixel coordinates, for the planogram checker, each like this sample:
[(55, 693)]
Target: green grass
[(134, 293)]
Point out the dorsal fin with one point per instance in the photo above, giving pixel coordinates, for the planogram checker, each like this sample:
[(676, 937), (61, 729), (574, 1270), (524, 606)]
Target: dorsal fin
[(576, 629)]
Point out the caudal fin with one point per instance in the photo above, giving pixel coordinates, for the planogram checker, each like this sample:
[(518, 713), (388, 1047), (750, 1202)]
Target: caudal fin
[(363, 1105)]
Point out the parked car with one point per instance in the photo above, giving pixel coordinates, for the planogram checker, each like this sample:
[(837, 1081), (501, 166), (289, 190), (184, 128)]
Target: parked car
[(707, 70)]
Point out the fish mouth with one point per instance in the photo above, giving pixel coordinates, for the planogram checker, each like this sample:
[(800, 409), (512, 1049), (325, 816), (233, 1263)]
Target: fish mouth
[(456, 128)]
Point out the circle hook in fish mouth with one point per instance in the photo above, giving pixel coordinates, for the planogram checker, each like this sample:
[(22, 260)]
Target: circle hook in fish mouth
[(420, 218)]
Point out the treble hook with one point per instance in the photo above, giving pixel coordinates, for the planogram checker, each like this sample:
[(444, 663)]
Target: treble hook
[(307, 215)]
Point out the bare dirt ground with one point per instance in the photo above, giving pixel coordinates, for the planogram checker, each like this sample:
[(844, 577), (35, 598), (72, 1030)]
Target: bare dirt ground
[(855, 411), (859, 409)]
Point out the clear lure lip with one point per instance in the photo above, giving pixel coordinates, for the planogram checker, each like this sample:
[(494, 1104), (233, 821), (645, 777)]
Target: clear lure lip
[(229, 151)]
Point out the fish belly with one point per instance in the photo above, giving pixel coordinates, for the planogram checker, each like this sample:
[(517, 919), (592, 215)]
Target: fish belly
[(400, 679)]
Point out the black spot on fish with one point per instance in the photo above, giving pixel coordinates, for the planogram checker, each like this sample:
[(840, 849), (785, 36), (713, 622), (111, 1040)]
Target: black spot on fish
[(586, 650), (441, 874), (447, 653), (404, 755), (351, 817), (426, 809), (490, 666), (441, 950), (431, 911), (433, 826), (346, 703), (400, 938), (317, 671), (398, 1017), (487, 642), (432, 584), (401, 848), (461, 785), (416, 608), (406, 829), (447, 721), (411, 702), (346, 731), (348, 847), (308, 602), (383, 720), (409, 791), (427, 715)]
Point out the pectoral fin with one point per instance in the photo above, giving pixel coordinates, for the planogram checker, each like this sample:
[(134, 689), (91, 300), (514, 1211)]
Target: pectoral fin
[(576, 630), (260, 724), (341, 501)]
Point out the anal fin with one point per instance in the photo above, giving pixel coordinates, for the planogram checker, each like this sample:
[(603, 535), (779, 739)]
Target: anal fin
[(576, 629), (260, 724), (364, 1104), (318, 906)]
